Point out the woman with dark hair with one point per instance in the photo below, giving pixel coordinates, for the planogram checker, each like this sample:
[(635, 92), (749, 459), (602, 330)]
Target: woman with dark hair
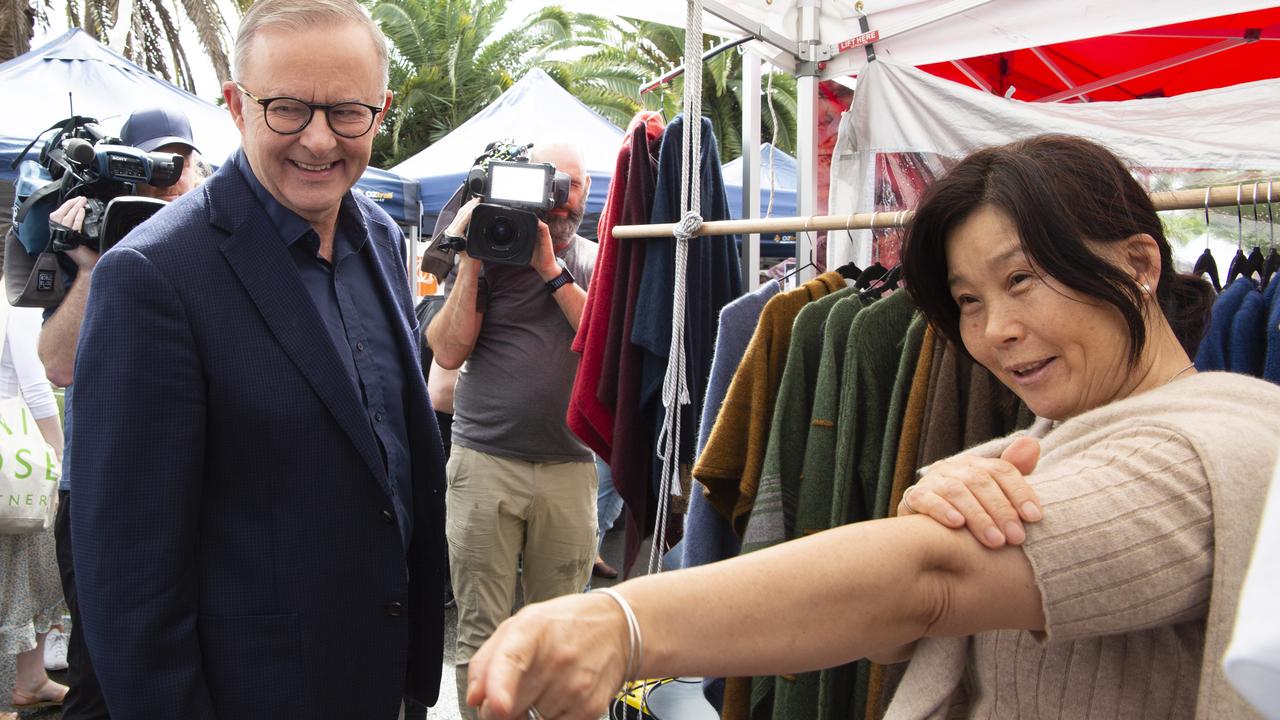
[(1140, 490)]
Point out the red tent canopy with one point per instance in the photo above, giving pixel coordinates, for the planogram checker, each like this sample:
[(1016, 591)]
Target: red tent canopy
[(1159, 62)]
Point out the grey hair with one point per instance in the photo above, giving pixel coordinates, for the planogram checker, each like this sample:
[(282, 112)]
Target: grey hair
[(302, 14)]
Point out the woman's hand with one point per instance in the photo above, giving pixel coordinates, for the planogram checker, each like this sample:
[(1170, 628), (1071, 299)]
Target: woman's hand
[(564, 657), (989, 496)]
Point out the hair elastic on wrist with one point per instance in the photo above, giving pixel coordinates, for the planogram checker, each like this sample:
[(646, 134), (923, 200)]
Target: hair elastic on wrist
[(635, 644)]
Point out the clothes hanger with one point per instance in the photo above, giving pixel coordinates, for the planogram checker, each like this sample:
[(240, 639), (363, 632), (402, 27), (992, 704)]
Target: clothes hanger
[(799, 268), (889, 281), (1239, 266), (1272, 264), (849, 271), (875, 271), (1205, 264), (1256, 261)]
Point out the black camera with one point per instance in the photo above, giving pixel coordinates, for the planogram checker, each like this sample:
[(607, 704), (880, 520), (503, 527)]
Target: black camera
[(515, 194), (81, 160)]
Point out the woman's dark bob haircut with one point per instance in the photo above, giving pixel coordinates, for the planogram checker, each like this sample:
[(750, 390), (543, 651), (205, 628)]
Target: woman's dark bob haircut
[(1062, 193)]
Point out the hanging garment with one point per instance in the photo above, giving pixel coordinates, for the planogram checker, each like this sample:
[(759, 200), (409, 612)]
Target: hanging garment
[(708, 535), (905, 463), (774, 507), (1247, 342), (610, 386), (1271, 363), (872, 358), (1214, 348), (587, 417), (729, 466), (824, 428), (898, 400), (714, 279)]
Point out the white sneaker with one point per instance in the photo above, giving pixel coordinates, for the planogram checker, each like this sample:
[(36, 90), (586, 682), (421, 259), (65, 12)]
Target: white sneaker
[(55, 650)]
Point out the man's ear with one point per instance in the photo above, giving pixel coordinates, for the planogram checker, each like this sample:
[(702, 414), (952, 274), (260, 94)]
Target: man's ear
[(235, 103)]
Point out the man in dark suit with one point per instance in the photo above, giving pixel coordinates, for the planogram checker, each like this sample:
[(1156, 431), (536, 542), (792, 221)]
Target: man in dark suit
[(259, 503)]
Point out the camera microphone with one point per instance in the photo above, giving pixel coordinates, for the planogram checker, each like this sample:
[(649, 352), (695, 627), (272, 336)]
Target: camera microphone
[(79, 151)]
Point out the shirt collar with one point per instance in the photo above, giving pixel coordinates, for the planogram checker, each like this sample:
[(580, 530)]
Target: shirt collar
[(291, 226)]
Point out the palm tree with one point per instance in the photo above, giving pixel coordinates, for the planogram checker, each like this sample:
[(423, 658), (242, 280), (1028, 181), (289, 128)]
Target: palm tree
[(145, 31), (449, 62), (648, 49), (18, 20)]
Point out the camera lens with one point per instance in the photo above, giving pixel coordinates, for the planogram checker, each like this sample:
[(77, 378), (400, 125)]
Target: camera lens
[(501, 233)]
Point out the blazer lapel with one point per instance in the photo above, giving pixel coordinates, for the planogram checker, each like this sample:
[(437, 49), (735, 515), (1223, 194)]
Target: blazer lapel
[(261, 261)]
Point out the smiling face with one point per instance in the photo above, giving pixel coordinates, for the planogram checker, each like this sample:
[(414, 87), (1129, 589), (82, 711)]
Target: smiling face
[(1062, 352), (310, 171)]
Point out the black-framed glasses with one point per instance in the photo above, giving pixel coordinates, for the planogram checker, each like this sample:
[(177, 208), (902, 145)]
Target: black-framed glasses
[(290, 116)]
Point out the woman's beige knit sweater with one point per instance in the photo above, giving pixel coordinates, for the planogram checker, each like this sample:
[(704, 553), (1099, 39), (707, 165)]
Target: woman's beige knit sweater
[(1151, 505)]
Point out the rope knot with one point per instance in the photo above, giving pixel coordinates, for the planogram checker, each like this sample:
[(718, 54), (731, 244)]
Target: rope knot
[(689, 225)]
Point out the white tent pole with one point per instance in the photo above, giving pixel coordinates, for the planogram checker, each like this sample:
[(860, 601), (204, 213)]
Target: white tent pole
[(807, 134), (750, 252), (974, 77), (1192, 199), (1057, 71), (1145, 70)]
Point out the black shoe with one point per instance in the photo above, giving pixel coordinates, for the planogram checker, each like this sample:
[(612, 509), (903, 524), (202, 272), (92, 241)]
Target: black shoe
[(602, 569)]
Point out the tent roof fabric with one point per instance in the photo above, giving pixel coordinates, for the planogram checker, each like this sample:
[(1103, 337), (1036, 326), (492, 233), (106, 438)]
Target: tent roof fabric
[(996, 26), (1083, 61), (103, 84), (535, 109), (777, 173)]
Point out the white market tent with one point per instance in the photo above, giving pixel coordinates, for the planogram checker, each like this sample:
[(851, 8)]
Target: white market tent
[(535, 109), (75, 71), (822, 39)]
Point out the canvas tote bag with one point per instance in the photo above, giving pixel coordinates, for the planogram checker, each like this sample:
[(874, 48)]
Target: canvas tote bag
[(29, 469)]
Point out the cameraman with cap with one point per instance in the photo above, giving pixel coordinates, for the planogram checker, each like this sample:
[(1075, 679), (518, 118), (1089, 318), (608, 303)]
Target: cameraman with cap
[(520, 482), (151, 130)]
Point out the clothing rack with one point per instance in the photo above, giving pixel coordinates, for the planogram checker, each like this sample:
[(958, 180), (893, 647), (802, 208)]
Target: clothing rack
[(1193, 199)]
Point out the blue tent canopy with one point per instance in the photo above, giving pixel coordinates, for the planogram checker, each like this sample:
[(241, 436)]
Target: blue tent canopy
[(536, 109), (75, 71), (783, 168)]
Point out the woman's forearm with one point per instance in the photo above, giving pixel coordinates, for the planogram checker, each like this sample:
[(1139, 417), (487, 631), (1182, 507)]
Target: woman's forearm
[(824, 600)]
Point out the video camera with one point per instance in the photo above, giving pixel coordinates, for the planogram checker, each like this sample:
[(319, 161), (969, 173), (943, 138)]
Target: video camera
[(515, 194), (82, 160)]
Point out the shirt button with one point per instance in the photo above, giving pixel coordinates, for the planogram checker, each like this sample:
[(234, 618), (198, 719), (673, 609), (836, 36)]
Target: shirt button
[(386, 515), (395, 609), (359, 347), (377, 417)]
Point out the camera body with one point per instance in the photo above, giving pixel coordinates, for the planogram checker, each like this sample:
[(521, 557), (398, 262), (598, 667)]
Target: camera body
[(82, 161), (515, 194)]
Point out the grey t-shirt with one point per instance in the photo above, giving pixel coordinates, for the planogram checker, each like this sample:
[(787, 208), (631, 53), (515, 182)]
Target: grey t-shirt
[(513, 391)]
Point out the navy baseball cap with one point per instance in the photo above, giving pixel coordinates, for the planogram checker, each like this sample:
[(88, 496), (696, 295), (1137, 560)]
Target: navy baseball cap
[(155, 127)]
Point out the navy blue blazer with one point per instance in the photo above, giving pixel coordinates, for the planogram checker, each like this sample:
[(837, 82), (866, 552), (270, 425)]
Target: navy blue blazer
[(236, 548)]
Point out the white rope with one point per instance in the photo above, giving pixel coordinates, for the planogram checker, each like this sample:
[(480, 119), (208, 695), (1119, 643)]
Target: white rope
[(675, 386)]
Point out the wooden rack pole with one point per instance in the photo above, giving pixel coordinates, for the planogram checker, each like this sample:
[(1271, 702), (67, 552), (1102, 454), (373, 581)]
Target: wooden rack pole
[(1219, 196)]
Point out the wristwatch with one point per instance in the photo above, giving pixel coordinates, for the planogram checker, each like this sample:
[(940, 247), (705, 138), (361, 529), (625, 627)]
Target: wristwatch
[(564, 278)]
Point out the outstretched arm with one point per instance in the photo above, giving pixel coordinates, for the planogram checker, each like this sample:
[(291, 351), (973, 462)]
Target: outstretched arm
[(777, 611)]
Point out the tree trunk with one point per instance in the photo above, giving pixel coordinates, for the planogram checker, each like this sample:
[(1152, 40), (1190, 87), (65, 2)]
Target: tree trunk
[(17, 27)]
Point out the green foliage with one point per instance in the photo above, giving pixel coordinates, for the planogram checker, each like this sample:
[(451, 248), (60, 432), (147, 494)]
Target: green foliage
[(449, 62)]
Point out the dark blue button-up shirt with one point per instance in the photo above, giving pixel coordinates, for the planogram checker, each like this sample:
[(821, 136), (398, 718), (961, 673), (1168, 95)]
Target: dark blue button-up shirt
[(351, 305)]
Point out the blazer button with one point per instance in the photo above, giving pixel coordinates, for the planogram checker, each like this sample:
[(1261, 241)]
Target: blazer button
[(395, 609), (386, 515)]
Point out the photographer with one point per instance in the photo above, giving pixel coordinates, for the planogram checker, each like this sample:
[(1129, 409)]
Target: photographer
[(150, 130), (519, 480)]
